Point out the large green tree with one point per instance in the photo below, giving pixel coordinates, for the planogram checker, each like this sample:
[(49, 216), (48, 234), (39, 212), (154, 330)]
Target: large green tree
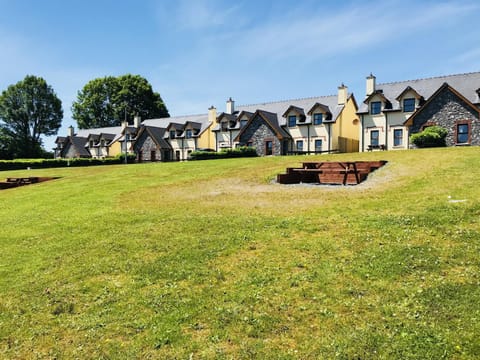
[(28, 110), (108, 101)]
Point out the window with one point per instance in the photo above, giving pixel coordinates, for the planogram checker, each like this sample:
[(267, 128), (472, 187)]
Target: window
[(268, 147), (318, 145), (188, 134), (317, 119), (250, 144), (172, 134), (462, 133), (408, 105), (375, 107), (243, 123), (300, 145), (397, 137), (374, 137), (224, 126), (292, 121)]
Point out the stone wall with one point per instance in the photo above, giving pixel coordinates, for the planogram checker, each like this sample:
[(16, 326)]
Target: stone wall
[(445, 110), (146, 145), (257, 133)]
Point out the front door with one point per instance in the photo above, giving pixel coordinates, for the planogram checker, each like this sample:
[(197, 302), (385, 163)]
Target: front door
[(153, 155), (268, 147)]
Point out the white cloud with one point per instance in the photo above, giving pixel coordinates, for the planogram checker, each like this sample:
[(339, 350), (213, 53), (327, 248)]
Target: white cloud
[(196, 15), (317, 34)]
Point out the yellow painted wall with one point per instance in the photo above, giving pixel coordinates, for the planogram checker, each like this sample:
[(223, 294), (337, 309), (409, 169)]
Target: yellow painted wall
[(206, 140)]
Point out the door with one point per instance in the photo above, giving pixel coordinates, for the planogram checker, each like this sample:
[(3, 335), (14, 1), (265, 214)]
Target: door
[(268, 147)]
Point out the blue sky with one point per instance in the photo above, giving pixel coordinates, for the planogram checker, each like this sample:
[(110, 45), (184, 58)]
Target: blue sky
[(198, 53)]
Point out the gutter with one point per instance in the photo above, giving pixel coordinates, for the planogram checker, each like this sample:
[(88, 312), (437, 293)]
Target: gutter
[(363, 133), (386, 131)]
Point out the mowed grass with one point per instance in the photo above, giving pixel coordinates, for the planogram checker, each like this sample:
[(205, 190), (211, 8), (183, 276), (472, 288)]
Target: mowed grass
[(211, 260)]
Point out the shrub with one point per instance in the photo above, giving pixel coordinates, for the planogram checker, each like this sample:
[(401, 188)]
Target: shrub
[(20, 164), (243, 151), (432, 136)]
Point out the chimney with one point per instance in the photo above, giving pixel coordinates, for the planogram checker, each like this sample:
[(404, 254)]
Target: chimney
[(342, 94), (370, 85), (136, 121), (230, 106), (71, 131), (212, 114)]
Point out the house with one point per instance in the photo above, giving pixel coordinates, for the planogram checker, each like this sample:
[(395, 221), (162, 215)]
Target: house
[(391, 112), (185, 134), (301, 126), (150, 144)]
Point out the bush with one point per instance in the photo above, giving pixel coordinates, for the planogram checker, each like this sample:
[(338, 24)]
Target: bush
[(432, 136), (22, 164), (243, 151)]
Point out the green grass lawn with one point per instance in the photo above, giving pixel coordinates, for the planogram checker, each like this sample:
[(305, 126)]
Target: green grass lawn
[(211, 259)]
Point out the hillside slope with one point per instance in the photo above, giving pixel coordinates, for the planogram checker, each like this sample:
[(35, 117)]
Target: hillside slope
[(212, 260)]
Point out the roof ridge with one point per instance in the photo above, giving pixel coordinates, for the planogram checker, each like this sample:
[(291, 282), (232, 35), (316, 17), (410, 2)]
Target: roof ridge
[(280, 101), (176, 116), (429, 78)]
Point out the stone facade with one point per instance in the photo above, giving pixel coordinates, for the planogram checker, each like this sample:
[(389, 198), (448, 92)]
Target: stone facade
[(448, 110), (146, 148), (257, 134)]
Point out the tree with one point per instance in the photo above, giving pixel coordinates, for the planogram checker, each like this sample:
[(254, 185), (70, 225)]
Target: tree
[(108, 101), (28, 110), (432, 136)]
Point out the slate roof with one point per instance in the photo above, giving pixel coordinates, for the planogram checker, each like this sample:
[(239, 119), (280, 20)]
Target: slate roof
[(107, 130), (271, 119), (202, 119), (157, 134), (78, 143), (466, 84), (279, 107)]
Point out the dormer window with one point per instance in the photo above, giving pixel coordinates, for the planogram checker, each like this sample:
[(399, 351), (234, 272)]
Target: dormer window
[(243, 123), (409, 105), (224, 126), (90, 143), (375, 107), (232, 124), (292, 121), (172, 134), (188, 133), (317, 119)]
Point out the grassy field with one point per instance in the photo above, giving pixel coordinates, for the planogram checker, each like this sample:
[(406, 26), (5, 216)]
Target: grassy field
[(212, 260)]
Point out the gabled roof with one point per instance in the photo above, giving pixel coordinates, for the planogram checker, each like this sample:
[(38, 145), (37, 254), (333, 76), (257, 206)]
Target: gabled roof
[(318, 106), (229, 117), (175, 126), (157, 134), (60, 139), (378, 93), (409, 121), (193, 125), (180, 121), (271, 119), (407, 89), (279, 107), (465, 84), (78, 143), (295, 109), (248, 114)]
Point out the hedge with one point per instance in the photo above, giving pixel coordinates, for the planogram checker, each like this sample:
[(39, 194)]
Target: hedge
[(243, 151), (22, 164), (432, 136)]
